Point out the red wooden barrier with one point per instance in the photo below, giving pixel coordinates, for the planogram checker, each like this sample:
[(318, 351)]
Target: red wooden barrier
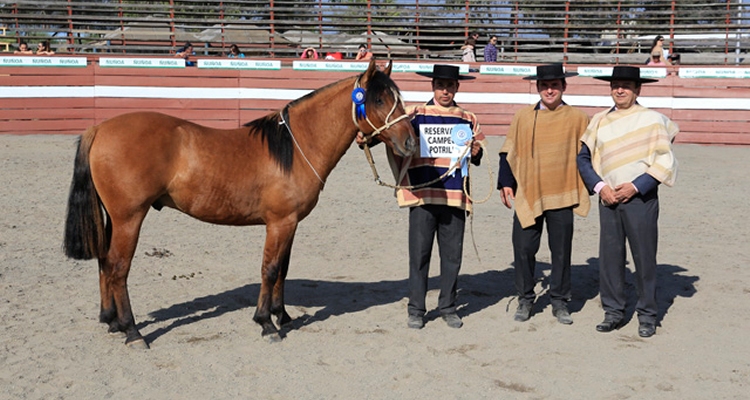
[(72, 115)]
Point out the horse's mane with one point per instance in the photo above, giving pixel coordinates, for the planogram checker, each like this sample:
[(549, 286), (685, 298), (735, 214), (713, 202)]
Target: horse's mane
[(276, 134)]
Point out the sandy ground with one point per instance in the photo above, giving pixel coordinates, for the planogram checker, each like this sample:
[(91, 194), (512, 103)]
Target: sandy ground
[(346, 292)]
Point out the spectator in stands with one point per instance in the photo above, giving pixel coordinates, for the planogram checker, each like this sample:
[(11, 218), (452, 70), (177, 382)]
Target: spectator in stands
[(336, 55), (362, 53), (474, 35), (490, 51), (468, 50), (658, 46), (42, 49), (234, 52), (656, 60), (674, 58), (23, 48), (310, 53), (185, 52)]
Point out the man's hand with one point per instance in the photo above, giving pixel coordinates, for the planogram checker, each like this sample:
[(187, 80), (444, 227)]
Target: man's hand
[(360, 139), (506, 195), (608, 196), (475, 148), (625, 192)]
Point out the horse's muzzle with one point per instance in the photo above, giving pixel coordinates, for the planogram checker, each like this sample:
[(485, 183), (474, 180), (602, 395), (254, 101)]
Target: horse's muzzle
[(407, 148)]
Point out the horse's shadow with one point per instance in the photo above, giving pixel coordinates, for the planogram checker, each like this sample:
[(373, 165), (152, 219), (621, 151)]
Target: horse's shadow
[(670, 280), (476, 292)]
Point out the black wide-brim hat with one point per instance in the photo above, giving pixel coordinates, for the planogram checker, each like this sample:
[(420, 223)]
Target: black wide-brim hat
[(550, 72), (440, 71), (626, 73)]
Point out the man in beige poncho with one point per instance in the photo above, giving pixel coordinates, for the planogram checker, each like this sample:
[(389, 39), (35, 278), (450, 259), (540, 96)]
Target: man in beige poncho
[(626, 153), (538, 171)]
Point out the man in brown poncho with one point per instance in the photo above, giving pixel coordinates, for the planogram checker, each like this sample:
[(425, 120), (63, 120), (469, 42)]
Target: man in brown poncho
[(538, 171)]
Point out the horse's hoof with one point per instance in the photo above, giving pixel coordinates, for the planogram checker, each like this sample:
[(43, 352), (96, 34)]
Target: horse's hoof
[(137, 344), (273, 337), (117, 334), (284, 319)]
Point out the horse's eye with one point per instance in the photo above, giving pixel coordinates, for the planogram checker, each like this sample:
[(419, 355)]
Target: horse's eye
[(379, 101)]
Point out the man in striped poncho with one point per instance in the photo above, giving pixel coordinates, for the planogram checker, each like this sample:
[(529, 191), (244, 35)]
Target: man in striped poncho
[(626, 153), (436, 200), (438, 209)]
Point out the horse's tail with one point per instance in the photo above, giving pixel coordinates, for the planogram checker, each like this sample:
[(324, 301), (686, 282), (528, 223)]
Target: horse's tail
[(85, 232)]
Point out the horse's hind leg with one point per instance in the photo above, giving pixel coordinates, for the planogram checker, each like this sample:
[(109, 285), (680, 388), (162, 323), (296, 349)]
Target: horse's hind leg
[(279, 238), (113, 278), (108, 310)]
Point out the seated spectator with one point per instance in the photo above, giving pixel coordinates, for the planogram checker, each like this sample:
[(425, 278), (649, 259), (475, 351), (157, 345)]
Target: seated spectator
[(657, 60), (23, 48), (334, 56), (674, 58), (234, 52), (362, 53), (42, 49), (310, 53), (185, 52)]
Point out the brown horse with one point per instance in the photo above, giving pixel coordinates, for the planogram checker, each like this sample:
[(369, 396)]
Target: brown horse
[(270, 171)]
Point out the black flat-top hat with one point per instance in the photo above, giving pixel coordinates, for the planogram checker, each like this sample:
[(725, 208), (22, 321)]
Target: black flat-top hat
[(626, 73), (550, 72), (440, 71)]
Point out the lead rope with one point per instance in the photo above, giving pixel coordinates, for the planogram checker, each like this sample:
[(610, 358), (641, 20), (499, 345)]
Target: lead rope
[(466, 187), (371, 161), (288, 128)]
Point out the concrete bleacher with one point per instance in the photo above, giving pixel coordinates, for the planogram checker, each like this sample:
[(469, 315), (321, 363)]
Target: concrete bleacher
[(3, 41)]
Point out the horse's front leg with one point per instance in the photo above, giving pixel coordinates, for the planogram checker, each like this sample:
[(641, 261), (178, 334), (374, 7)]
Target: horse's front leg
[(279, 238), (277, 298)]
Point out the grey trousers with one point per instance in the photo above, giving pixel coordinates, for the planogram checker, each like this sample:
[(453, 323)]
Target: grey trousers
[(425, 222), (636, 220), (526, 245)]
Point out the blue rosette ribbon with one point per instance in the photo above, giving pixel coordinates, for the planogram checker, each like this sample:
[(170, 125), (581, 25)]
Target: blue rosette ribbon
[(461, 136), (358, 97)]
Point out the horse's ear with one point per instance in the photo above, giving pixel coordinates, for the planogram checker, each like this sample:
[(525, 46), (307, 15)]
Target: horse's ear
[(371, 69), (388, 68)]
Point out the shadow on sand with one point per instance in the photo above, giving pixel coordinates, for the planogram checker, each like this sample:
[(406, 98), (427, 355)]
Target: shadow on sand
[(671, 282), (476, 293)]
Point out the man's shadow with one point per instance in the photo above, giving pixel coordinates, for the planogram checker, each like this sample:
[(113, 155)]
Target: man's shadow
[(670, 284), (476, 293), (584, 283)]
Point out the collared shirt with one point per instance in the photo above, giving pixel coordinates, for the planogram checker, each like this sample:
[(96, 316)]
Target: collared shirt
[(490, 53)]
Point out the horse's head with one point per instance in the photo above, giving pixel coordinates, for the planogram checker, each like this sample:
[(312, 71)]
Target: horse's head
[(382, 112)]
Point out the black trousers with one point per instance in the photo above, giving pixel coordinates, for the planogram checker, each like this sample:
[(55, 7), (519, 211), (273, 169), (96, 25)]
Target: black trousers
[(425, 222), (636, 221), (526, 245)]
